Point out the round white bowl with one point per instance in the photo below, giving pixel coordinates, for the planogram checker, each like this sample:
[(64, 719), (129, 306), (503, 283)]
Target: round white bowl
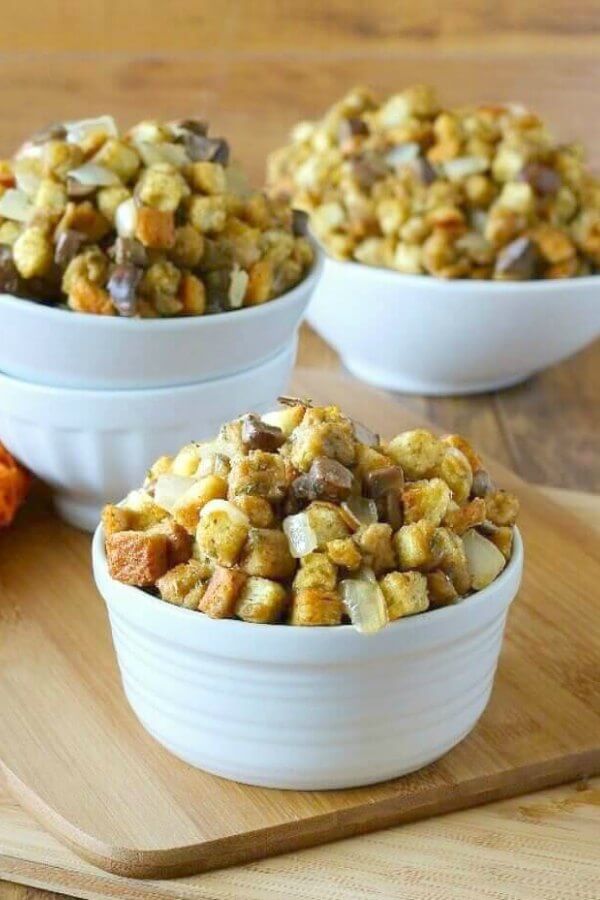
[(307, 708), (50, 346), (92, 446), (419, 334)]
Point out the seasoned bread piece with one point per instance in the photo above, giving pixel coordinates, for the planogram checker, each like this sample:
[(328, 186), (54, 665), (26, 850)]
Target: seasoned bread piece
[(327, 522), (425, 500), (179, 542), (344, 552), (261, 600), (221, 537), (413, 545), (222, 592), (259, 473), (312, 606), (376, 547), (418, 452), (405, 593), (136, 557), (114, 519), (316, 571), (502, 508), (186, 510), (179, 581), (267, 554)]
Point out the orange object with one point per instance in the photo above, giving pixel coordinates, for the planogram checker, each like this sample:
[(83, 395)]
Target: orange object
[(14, 484)]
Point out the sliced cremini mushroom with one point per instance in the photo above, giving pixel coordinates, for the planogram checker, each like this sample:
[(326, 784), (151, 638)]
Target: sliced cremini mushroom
[(129, 251), (482, 484), (329, 480), (68, 244), (519, 260), (257, 435), (122, 286), (544, 180)]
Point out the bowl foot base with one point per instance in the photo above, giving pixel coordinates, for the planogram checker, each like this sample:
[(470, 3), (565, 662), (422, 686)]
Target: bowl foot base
[(404, 384), (81, 514)]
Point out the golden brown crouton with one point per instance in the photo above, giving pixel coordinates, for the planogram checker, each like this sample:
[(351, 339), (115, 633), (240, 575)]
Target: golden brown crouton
[(502, 507), (86, 219), (462, 444), (259, 511), (405, 593), (192, 598), (286, 419), (155, 228), (186, 510), (114, 519), (418, 452), (323, 432), (327, 522), (427, 499), (414, 545), (451, 558), (267, 554), (440, 589), (455, 469), (143, 512), (344, 552), (192, 294), (316, 571), (316, 607), (136, 557), (260, 283), (222, 592), (187, 460), (500, 535), (85, 297), (179, 581), (162, 466), (375, 542), (221, 537), (464, 517), (368, 460), (261, 474), (179, 542), (261, 600)]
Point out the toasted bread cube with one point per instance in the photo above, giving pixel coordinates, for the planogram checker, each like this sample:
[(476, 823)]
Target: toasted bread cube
[(188, 248), (136, 557), (440, 589), (91, 264), (208, 564), (313, 606), (427, 499), (32, 253), (220, 538), (51, 197), (155, 228), (143, 511), (502, 536), (109, 199), (259, 511), (417, 451), (179, 542), (375, 542), (192, 598), (323, 432), (260, 283), (229, 440), (267, 555), (207, 214), (187, 460), (119, 157), (405, 593), (451, 559), (286, 419), (179, 581), (221, 595), (259, 473), (455, 469), (261, 600), (187, 509), (192, 294), (86, 297), (462, 444), (414, 545), (502, 507), (316, 571), (464, 517), (368, 460), (59, 157), (162, 466), (208, 177), (114, 519), (344, 552), (327, 522), (84, 217), (161, 187)]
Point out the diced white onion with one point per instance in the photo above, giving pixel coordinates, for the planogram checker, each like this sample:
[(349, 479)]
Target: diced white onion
[(29, 150), (302, 538), (365, 604), (359, 511), (402, 154), (79, 130), (169, 488), (28, 182), (484, 560), (364, 434), (233, 512), (126, 218), (94, 175), (463, 166), (237, 287), (15, 205), (162, 152)]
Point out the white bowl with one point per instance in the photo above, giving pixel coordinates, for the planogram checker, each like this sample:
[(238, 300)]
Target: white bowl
[(92, 446), (307, 708), (419, 334), (52, 346)]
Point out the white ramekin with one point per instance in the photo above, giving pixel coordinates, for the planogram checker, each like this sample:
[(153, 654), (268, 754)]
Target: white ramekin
[(307, 708), (50, 346), (419, 334), (92, 446)]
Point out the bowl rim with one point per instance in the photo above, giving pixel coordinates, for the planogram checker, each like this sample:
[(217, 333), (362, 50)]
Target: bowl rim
[(467, 286), (236, 627), (173, 323)]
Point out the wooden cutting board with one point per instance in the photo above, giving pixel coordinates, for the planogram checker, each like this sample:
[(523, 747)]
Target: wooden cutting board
[(75, 757)]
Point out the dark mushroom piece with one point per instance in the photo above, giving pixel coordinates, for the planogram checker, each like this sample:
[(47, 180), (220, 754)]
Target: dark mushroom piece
[(329, 480), (257, 435), (518, 261), (543, 179), (482, 484), (122, 286), (68, 245)]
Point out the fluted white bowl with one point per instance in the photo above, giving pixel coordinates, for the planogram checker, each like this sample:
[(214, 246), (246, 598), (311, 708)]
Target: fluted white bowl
[(91, 447), (425, 335), (307, 708), (52, 346)]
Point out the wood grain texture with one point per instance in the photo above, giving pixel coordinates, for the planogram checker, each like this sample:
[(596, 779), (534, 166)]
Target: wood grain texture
[(543, 845), (157, 815)]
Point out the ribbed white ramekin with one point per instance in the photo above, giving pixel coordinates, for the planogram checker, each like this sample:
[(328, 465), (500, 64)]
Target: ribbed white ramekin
[(92, 446), (307, 708)]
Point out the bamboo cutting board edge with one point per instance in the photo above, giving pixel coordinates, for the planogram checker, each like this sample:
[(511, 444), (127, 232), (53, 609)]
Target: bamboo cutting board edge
[(335, 823)]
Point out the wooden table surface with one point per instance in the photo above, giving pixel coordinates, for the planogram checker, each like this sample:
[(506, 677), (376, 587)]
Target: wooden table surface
[(255, 68)]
